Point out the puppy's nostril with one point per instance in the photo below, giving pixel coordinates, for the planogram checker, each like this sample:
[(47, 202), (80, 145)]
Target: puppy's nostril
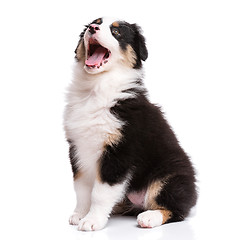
[(93, 29)]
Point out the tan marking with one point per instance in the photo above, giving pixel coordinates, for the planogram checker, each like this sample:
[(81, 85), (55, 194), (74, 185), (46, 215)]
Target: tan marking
[(115, 24), (113, 138), (166, 215), (80, 52), (98, 21), (98, 173), (121, 207), (152, 192), (129, 56), (77, 175)]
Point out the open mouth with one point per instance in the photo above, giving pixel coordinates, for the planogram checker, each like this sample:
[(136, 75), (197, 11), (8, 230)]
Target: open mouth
[(97, 55)]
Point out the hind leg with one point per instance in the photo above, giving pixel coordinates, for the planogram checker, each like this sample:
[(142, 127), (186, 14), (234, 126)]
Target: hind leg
[(156, 214), (168, 200)]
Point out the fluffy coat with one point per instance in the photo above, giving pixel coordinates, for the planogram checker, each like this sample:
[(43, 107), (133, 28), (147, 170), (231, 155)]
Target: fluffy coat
[(125, 157)]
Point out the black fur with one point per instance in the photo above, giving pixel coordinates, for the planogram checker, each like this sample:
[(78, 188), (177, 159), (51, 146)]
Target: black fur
[(130, 34), (97, 21), (150, 151), (179, 195), (73, 158)]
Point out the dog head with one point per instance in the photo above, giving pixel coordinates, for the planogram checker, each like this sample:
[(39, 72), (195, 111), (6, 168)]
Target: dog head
[(105, 43)]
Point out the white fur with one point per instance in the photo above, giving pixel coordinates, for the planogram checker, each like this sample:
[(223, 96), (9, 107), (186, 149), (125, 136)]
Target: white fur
[(88, 123), (105, 38), (83, 187), (104, 197), (150, 219)]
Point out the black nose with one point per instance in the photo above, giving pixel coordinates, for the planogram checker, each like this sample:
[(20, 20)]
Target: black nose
[(93, 28)]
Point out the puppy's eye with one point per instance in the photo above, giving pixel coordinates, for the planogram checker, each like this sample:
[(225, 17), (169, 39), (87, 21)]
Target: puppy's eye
[(116, 32)]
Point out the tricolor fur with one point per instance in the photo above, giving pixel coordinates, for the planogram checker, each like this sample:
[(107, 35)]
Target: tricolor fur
[(125, 158)]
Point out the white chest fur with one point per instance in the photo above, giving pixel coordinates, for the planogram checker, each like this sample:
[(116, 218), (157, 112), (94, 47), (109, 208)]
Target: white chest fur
[(88, 122)]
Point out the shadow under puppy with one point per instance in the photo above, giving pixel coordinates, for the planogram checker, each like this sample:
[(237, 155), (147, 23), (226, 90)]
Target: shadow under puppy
[(125, 157)]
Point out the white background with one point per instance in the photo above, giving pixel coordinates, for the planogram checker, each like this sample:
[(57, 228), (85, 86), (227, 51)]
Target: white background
[(194, 71)]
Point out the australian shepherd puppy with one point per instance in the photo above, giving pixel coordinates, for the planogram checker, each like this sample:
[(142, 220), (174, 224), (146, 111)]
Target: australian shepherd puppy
[(125, 157)]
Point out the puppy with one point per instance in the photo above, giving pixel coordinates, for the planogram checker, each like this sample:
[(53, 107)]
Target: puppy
[(125, 158)]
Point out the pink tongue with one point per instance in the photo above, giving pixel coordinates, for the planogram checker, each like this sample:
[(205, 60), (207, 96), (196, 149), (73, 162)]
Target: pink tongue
[(97, 57)]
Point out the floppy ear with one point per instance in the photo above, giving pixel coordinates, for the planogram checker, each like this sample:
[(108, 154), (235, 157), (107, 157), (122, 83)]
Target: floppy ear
[(79, 42), (140, 45), (80, 49)]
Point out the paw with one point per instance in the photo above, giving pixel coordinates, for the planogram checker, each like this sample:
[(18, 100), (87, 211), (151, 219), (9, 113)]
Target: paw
[(75, 218), (93, 223), (150, 219)]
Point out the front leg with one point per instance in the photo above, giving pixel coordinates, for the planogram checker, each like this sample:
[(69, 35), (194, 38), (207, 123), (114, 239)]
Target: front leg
[(83, 185), (103, 199)]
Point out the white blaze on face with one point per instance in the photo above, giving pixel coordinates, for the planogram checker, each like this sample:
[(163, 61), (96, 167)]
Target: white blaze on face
[(102, 49)]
